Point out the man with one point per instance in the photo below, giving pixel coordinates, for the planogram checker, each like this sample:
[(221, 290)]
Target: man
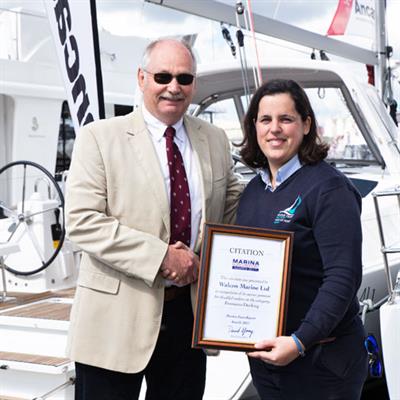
[(136, 200)]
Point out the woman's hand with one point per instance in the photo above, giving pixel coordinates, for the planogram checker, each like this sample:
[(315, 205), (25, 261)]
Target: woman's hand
[(280, 351)]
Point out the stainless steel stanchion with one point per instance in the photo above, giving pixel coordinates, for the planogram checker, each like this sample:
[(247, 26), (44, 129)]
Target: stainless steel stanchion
[(6, 249)]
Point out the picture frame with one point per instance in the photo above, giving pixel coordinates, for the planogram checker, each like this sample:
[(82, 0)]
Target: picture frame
[(243, 286)]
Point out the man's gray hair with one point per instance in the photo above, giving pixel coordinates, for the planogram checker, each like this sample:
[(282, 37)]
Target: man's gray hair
[(150, 47)]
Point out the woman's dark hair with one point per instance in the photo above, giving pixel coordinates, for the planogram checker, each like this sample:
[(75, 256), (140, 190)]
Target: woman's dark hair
[(311, 150)]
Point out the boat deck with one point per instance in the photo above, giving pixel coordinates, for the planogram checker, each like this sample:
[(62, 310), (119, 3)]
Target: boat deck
[(33, 359), (44, 306), (20, 299), (45, 309)]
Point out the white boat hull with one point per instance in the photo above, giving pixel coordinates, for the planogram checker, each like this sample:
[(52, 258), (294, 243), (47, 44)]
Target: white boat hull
[(390, 332)]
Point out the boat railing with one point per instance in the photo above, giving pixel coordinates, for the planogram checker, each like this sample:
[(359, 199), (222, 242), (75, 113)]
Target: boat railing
[(386, 249)]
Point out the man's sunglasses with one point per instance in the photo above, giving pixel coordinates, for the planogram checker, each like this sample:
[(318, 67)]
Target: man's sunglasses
[(163, 78), (374, 360)]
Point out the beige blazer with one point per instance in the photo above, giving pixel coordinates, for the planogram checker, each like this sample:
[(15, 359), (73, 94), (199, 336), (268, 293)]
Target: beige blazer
[(117, 212)]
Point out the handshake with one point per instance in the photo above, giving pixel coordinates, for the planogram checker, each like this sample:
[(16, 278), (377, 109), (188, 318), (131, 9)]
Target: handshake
[(180, 265)]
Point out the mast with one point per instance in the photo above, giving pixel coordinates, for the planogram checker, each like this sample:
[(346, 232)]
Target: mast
[(381, 49)]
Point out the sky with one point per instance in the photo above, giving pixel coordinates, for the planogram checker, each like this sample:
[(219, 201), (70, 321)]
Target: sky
[(135, 17), (139, 18)]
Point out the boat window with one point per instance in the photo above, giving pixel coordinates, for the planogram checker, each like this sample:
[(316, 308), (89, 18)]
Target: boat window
[(66, 139), (337, 126), (122, 109), (224, 115), (381, 111), (66, 135)]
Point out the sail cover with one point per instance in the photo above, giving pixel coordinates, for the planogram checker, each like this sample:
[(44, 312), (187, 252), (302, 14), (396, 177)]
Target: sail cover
[(74, 28)]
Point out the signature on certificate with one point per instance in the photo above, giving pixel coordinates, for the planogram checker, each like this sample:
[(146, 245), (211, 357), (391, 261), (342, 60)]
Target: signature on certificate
[(240, 332)]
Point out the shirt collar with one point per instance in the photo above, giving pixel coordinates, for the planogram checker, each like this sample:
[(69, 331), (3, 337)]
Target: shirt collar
[(157, 128), (283, 173)]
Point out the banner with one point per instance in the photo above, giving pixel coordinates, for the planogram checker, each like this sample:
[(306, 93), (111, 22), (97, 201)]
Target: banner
[(354, 18), (74, 27)]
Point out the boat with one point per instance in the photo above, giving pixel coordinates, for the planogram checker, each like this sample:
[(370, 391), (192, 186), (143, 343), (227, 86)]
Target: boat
[(39, 274)]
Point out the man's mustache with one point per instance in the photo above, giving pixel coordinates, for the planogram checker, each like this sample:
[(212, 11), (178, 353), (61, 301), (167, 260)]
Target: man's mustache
[(173, 97)]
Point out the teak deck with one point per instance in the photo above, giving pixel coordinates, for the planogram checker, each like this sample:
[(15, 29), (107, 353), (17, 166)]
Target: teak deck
[(34, 305), (43, 310), (33, 358), (26, 298)]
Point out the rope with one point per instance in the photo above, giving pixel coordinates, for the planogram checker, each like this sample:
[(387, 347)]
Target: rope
[(250, 14)]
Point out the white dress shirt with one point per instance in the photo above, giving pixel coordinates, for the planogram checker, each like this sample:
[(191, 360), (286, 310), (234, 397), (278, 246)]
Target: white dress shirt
[(157, 129)]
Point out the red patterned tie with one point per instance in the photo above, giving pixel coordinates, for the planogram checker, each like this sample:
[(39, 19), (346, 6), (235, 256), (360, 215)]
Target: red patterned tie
[(180, 196)]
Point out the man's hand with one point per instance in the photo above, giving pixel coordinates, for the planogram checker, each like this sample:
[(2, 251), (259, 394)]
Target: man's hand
[(180, 264), (280, 351)]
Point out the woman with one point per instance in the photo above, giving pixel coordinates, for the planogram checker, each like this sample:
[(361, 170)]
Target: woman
[(322, 355)]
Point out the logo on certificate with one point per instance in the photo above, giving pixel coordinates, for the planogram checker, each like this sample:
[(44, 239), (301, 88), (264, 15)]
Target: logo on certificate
[(245, 265)]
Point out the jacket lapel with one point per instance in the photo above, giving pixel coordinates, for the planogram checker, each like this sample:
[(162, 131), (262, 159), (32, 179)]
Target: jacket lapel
[(145, 154), (201, 150)]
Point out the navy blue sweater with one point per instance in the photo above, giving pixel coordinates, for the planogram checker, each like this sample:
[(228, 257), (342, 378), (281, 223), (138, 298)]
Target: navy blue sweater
[(322, 207)]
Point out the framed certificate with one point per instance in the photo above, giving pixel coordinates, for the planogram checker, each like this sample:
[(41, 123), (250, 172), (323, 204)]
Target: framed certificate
[(243, 286)]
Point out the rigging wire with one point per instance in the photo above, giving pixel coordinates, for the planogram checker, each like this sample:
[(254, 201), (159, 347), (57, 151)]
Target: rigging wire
[(276, 9), (253, 67), (251, 20), (243, 65), (242, 53)]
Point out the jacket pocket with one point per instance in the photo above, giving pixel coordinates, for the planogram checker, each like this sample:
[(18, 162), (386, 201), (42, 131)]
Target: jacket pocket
[(99, 282)]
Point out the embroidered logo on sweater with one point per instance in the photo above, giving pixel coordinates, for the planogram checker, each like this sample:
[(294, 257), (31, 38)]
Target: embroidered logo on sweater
[(287, 214)]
